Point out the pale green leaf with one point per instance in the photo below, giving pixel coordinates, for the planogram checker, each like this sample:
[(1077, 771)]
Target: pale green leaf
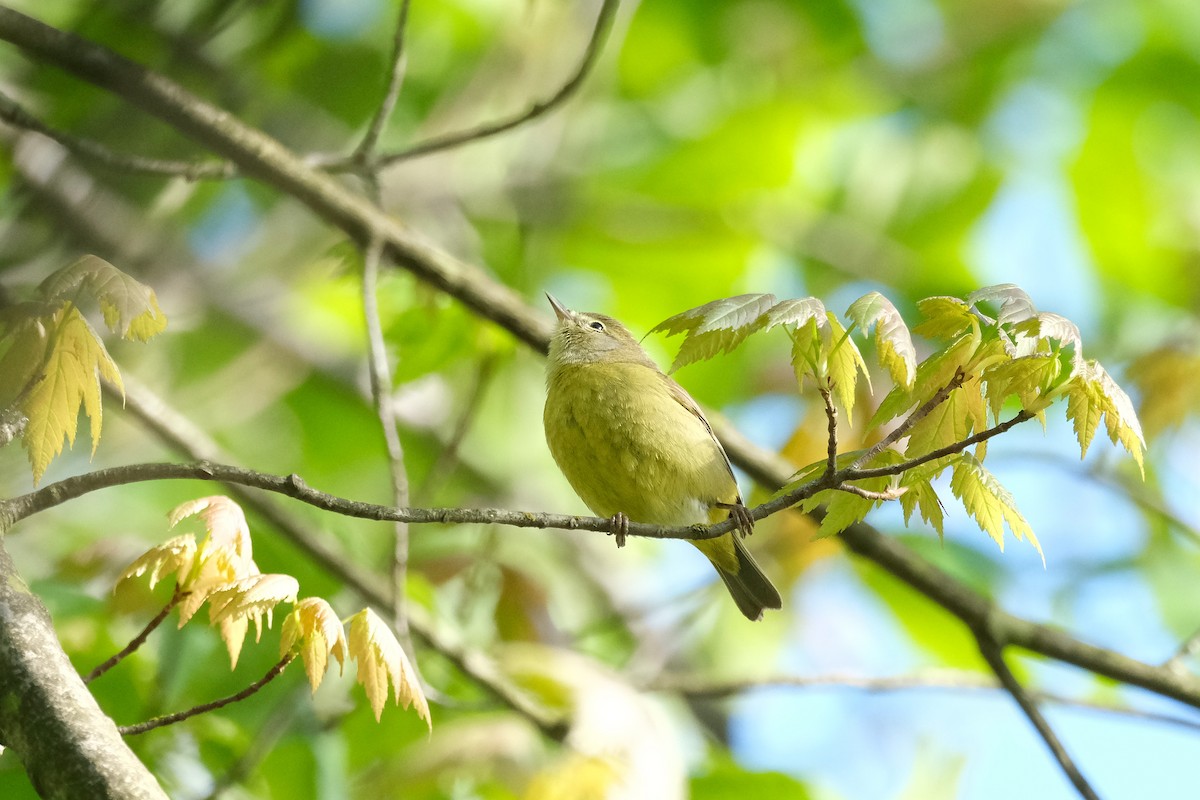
[(844, 364), (948, 422), (893, 342), (945, 317), (1027, 377), (1047, 327), (716, 327), (921, 496), (69, 382), (989, 502), (797, 312), (130, 307), (1012, 303)]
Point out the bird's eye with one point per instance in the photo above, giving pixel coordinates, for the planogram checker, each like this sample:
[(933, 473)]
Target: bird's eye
[(597, 325)]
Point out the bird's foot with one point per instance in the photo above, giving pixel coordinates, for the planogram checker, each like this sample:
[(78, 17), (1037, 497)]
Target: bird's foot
[(740, 516), (620, 527)]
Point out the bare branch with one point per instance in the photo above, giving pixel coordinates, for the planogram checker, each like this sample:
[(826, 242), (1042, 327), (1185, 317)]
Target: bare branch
[(995, 658), (831, 448), (180, 716), (138, 640), (851, 474), (381, 398), (16, 115), (366, 148), (901, 430), (889, 494), (591, 54)]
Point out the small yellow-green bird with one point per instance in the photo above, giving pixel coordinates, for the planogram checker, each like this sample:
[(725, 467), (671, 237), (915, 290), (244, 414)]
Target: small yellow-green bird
[(631, 441)]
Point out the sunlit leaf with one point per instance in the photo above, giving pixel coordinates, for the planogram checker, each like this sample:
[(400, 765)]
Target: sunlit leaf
[(797, 312), (989, 503), (175, 555), (314, 631), (234, 605), (381, 660), (945, 317), (845, 364), (130, 307), (1013, 303), (715, 327), (893, 342), (74, 357)]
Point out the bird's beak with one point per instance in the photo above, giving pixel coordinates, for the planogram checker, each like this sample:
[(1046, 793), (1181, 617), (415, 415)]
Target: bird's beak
[(562, 312)]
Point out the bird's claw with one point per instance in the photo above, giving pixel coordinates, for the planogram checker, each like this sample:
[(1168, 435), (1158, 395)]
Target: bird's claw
[(620, 527), (742, 519)]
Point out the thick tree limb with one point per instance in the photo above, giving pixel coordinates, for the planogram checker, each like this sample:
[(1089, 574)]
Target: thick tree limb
[(68, 746)]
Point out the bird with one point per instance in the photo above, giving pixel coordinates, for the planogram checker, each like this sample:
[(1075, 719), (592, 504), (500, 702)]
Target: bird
[(634, 445)]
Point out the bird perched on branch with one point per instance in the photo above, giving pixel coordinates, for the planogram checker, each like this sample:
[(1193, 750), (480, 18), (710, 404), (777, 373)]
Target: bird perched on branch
[(635, 446)]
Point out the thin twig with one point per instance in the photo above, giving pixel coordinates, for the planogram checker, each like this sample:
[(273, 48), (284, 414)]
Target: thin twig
[(381, 397), (934, 455), (901, 430), (138, 640), (951, 680), (831, 447), (180, 716), (995, 659), (366, 148), (446, 141), (16, 115)]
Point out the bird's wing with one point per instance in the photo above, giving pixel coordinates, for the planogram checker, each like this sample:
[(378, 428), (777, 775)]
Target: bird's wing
[(684, 399)]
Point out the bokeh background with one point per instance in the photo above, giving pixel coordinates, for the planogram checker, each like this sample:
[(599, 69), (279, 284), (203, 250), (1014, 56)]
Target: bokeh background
[(804, 148)]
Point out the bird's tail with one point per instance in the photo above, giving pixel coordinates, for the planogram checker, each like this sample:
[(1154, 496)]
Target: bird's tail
[(750, 588)]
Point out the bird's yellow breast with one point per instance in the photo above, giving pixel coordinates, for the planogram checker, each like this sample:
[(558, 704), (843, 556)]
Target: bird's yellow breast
[(627, 445)]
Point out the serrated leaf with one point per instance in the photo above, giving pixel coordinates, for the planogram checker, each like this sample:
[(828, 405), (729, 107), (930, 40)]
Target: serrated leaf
[(313, 630), (381, 660), (945, 317), (989, 502), (798, 312), (1047, 326), (1013, 303), (893, 342), (843, 509), (175, 555), (716, 327), (236, 604), (1027, 377), (25, 344), (1120, 418), (844, 364), (921, 496), (74, 358), (228, 532), (806, 351), (948, 422), (130, 307)]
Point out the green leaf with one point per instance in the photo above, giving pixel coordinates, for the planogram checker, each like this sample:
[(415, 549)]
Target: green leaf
[(844, 364), (946, 424), (806, 350), (921, 496), (1047, 326), (989, 502), (25, 344), (130, 308), (945, 318), (796, 312), (68, 381), (893, 342), (1027, 377), (1012, 302), (1093, 391), (716, 327), (1085, 407)]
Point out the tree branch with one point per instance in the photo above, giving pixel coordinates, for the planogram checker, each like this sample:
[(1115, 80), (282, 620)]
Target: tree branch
[(67, 745), (365, 151), (604, 18), (995, 659), (901, 430), (204, 708), (16, 115), (138, 640)]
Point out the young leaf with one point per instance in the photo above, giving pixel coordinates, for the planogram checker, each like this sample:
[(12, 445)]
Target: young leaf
[(1013, 302), (314, 630), (945, 318), (795, 312), (234, 605), (225, 523), (25, 343), (1093, 392), (74, 356), (949, 422), (130, 307), (844, 363), (893, 342), (716, 327), (381, 659), (920, 495), (1049, 326), (988, 502), (1028, 377), (172, 556)]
